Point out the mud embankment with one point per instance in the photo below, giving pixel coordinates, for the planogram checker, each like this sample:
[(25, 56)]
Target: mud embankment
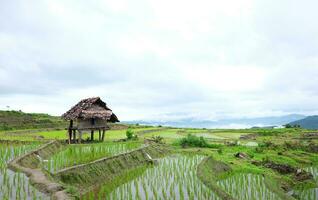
[(29, 164), (106, 169)]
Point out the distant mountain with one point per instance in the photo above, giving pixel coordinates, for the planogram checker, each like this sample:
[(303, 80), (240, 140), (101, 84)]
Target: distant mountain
[(226, 123), (310, 122)]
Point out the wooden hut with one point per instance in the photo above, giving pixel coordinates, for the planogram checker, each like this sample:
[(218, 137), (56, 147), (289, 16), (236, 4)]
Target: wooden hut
[(90, 114)]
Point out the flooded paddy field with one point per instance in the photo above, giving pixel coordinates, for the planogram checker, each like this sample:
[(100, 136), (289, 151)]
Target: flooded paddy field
[(174, 177), (245, 186), (16, 185), (78, 154), (308, 193)]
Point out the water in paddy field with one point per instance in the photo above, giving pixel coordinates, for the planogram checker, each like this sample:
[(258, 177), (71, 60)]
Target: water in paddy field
[(173, 178), (77, 154), (247, 187), (15, 185), (310, 193)]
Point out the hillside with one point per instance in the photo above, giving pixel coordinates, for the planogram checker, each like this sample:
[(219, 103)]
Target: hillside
[(310, 122), (10, 120)]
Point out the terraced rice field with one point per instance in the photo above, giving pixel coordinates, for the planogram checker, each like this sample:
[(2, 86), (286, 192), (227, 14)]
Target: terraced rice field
[(78, 154), (311, 193), (247, 187), (173, 178), (15, 185)]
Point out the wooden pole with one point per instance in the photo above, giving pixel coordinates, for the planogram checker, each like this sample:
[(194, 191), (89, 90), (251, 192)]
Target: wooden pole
[(99, 134), (103, 135), (92, 135), (74, 136), (70, 131), (79, 136)]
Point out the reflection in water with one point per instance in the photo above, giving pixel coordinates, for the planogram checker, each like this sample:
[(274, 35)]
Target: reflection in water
[(173, 178), (247, 187), (15, 185)]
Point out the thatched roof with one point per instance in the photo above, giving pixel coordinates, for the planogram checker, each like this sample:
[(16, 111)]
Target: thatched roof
[(90, 108)]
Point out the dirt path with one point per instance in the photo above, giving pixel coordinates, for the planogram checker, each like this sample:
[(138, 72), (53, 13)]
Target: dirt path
[(29, 165)]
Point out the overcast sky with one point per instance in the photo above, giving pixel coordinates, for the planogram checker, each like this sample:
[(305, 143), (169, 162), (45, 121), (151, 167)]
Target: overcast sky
[(167, 59)]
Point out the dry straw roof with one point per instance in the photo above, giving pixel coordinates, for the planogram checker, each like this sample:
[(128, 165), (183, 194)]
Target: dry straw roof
[(90, 108)]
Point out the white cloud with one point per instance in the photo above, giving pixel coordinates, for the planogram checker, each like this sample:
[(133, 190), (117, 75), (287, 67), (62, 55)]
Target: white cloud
[(161, 59)]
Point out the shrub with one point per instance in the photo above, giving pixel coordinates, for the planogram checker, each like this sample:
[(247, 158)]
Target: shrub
[(267, 144), (220, 151), (288, 126), (157, 139), (193, 141), (129, 134), (250, 154), (259, 150)]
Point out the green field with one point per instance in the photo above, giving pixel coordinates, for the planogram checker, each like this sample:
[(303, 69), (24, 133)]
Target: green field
[(288, 147)]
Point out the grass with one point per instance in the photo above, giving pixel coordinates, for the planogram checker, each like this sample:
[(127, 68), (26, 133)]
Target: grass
[(12, 120), (278, 145)]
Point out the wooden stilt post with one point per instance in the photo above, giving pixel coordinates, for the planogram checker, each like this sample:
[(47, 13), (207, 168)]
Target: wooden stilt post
[(103, 135), (70, 132), (69, 136), (79, 136), (74, 136), (92, 135), (99, 134)]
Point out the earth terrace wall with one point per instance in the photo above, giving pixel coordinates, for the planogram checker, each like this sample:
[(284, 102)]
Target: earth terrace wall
[(209, 167), (29, 164), (106, 169)]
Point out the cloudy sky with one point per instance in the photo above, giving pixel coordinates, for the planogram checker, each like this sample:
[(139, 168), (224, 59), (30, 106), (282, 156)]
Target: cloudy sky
[(166, 59)]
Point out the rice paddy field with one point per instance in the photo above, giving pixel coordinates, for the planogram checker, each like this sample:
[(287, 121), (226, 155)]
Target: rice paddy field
[(78, 154), (247, 187), (309, 193), (175, 175), (16, 185)]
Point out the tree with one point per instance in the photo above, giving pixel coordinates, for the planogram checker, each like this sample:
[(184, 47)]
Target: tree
[(288, 126)]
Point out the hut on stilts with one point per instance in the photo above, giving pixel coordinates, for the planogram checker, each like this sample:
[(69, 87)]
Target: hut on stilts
[(91, 114)]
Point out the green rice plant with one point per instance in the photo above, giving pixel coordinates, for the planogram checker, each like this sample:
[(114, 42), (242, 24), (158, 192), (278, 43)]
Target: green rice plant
[(78, 154), (308, 193), (173, 178), (247, 187), (15, 185)]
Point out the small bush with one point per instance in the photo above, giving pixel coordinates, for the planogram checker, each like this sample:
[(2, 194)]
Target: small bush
[(250, 154), (129, 134), (220, 151), (157, 139), (288, 126), (267, 144), (259, 150), (195, 141)]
